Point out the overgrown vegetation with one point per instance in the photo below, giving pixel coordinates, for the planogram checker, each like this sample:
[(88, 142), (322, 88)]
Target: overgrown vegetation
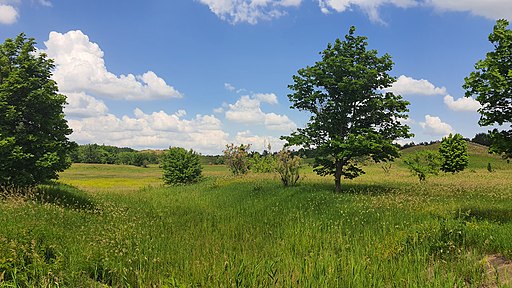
[(424, 163), (236, 158), (288, 166)]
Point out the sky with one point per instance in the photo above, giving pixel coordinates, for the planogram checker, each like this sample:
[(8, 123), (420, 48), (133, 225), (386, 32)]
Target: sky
[(201, 74)]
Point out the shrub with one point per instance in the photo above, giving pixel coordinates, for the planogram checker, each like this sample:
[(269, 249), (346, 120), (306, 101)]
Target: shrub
[(236, 158), (423, 163), (454, 151), (262, 164), (288, 167), (180, 166)]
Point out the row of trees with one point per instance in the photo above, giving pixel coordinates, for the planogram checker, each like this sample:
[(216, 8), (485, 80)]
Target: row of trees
[(351, 115), (103, 154)]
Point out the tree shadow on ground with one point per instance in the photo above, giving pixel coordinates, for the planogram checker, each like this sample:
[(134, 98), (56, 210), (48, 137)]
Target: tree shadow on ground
[(498, 215), (351, 188), (63, 195)]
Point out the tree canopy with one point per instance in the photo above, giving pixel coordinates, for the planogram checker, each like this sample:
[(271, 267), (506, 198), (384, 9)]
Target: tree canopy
[(351, 115), (491, 83), (454, 151), (33, 132)]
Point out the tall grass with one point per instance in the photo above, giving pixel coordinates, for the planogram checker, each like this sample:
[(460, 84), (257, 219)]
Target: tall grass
[(120, 227)]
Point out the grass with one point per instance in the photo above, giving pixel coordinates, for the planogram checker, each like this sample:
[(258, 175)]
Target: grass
[(118, 226)]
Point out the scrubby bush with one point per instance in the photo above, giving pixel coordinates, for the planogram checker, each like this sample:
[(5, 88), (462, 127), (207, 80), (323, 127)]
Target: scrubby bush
[(288, 167), (180, 166), (423, 163), (262, 164), (236, 158)]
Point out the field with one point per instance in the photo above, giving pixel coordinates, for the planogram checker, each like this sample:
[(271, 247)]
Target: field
[(104, 225)]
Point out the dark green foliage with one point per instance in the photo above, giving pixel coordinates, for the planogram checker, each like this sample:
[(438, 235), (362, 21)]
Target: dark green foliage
[(288, 165), (33, 132), (181, 166), (236, 158), (104, 154), (454, 150), (423, 163), (350, 115), (482, 139), (492, 85)]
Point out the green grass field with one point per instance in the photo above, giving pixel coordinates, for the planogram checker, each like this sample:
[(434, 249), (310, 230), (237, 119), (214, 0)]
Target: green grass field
[(118, 226)]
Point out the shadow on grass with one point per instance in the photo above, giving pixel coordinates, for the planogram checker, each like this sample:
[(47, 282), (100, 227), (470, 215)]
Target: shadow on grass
[(63, 195), (498, 215), (350, 188)]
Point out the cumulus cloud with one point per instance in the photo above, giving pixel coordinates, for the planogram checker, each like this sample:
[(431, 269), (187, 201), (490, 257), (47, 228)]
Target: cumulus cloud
[(8, 14), (249, 11), (492, 9), (410, 86), (247, 110), (83, 105), (80, 67), (370, 7), (202, 133), (435, 127), (462, 104)]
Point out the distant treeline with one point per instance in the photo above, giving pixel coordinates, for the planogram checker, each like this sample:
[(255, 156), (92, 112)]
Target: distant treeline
[(480, 138), (104, 154)]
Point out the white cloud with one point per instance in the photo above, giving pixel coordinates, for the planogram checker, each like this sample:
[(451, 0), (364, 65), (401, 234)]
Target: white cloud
[(259, 143), (247, 110), (370, 7), (80, 68), (249, 11), (202, 133), (462, 104), (46, 3), (492, 9), (83, 105), (8, 14), (410, 86), (435, 127)]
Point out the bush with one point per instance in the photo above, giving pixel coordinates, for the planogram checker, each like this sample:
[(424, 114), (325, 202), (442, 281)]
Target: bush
[(180, 166), (262, 164), (423, 163), (454, 150), (288, 167), (236, 158)]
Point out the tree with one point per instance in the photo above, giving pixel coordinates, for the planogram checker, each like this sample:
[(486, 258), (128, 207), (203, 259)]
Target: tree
[(423, 163), (33, 132), (351, 116), (180, 166), (492, 85), (236, 158), (482, 139), (288, 165), (454, 151)]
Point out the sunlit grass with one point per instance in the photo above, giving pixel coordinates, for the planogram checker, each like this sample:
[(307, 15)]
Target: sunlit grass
[(119, 226)]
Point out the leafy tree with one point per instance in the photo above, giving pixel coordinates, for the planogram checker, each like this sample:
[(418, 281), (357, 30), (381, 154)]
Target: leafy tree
[(454, 150), (33, 132), (423, 163), (351, 116), (180, 166), (236, 158), (492, 85)]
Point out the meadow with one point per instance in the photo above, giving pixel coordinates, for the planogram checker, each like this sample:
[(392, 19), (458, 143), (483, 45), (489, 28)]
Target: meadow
[(118, 226)]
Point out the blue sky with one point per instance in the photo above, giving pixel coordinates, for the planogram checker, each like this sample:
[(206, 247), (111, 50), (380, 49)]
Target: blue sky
[(203, 73)]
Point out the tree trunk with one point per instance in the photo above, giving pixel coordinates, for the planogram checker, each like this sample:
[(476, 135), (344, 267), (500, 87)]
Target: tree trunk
[(337, 176)]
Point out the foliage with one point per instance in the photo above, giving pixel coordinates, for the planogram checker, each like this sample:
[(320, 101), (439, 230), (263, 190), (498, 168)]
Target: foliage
[(454, 151), (33, 132), (482, 139), (262, 163), (180, 166), (492, 85), (104, 154), (288, 165), (236, 158), (423, 163), (351, 116)]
